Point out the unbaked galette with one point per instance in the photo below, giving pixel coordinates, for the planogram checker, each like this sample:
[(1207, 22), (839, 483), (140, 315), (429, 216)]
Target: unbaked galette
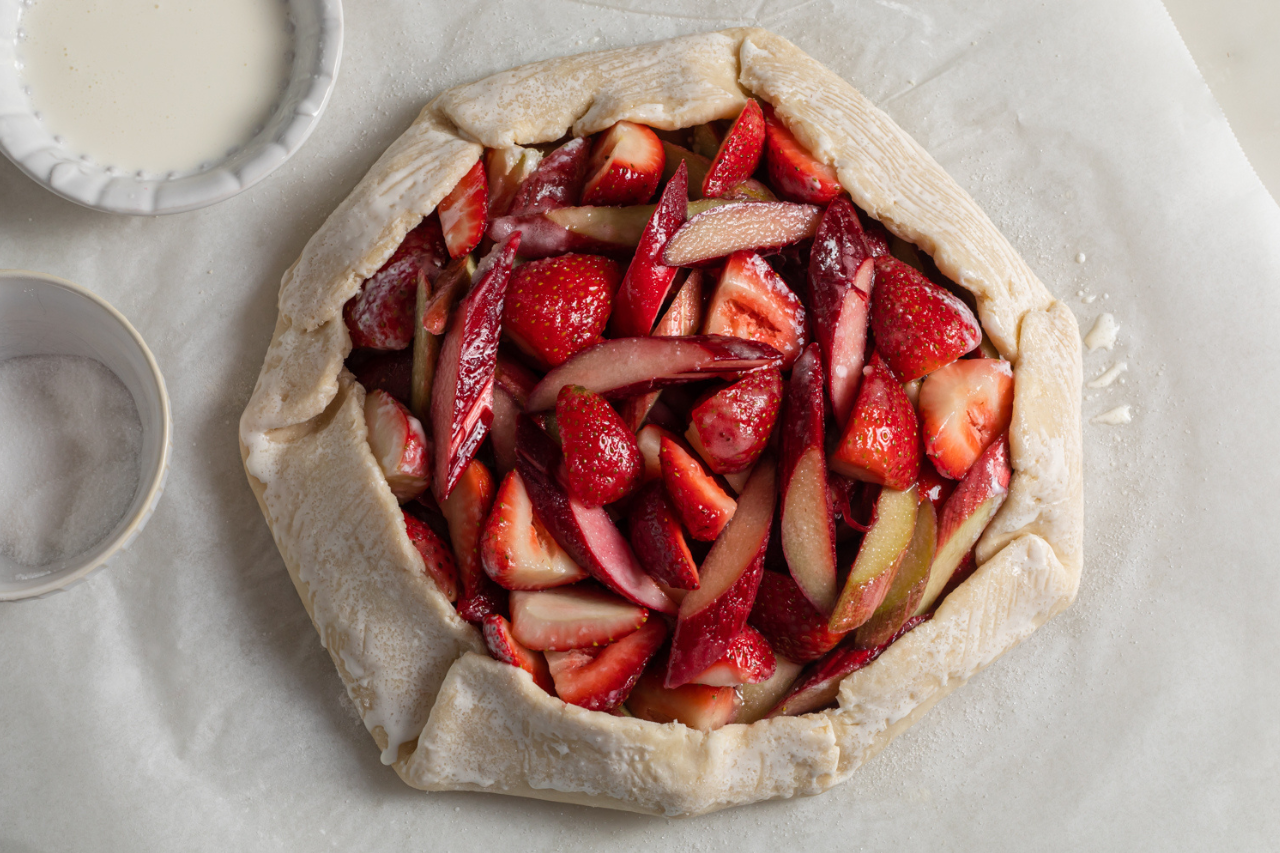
[(663, 429)]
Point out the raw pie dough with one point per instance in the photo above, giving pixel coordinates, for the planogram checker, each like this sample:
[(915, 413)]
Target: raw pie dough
[(449, 717)]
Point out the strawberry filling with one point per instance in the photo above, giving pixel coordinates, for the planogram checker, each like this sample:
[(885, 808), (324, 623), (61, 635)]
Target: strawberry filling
[(672, 424)]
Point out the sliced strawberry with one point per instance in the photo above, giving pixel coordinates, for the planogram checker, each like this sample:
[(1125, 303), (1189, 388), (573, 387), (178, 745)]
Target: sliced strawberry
[(876, 235), (644, 288), (625, 167), (436, 557), (558, 306), (703, 505), (602, 679), (603, 460), (819, 686), (505, 648), (572, 618), (792, 625), (557, 182), (694, 705), (749, 660), (731, 427), (793, 171), (963, 408), (515, 548), (399, 444), (658, 540), (881, 443), (752, 302), (739, 153), (919, 326), (380, 315), (465, 510), (464, 212), (506, 169)]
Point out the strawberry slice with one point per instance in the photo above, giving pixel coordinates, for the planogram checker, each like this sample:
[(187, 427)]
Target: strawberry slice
[(464, 212), (602, 679), (572, 618), (703, 505), (919, 326), (694, 705), (559, 306), (380, 315), (644, 288), (819, 686), (399, 444), (792, 625), (437, 560), (515, 548), (601, 454), (504, 647), (881, 443), (658, 540), (739, 153), (731, 427), (465, 510), (557, 182), (626, 166), (963, 408), (793, 171), (752, 302), (749, 660), (462, 388)]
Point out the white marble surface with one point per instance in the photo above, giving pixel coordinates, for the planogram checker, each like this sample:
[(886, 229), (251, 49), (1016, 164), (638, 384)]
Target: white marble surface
[(181, 699)]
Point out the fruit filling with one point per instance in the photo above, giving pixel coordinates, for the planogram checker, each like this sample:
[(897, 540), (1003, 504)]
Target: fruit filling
[(686, 434)]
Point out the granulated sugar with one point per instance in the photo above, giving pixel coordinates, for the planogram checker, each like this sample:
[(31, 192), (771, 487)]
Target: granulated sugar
[(69, 443)]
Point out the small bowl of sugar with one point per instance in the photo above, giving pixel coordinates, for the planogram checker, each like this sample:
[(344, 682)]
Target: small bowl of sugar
[(84, 434)]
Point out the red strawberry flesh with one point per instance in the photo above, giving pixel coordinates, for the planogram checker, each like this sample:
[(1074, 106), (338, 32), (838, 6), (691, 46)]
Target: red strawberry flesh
[(515, 548), (658, 540), (752, 302), (703, 506), (964, 407), (437, 560), (748, 660), (600, 680), (556, 307), (733, 425), (881, 443), (601, 454), (789, 622), (504, 647), (626, 165), (644, 288), (464, 212), (739, 152), (919, 326), (793, 171), (465, 510), (380, 315), (557, 182)]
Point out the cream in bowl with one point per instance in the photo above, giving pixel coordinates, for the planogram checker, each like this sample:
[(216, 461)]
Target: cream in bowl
[(160, 106)]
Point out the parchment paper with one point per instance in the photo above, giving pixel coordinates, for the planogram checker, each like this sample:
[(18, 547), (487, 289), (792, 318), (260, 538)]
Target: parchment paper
[(180, 700)]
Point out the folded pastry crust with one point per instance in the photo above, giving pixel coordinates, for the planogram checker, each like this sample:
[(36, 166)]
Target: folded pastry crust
[(447, 716)]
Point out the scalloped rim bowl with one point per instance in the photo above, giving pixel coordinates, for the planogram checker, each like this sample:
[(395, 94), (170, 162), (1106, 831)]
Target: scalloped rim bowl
[(317, 48), (44, 315)]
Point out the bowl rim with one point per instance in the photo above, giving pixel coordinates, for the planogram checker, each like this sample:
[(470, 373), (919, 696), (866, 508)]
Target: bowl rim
[(26, 143), (154, 485)]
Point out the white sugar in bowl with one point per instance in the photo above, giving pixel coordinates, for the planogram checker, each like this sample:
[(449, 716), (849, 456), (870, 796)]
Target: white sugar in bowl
[(52, 319)]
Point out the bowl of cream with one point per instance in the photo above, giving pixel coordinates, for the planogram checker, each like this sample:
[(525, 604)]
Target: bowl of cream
[(85, 433), (160, 106)]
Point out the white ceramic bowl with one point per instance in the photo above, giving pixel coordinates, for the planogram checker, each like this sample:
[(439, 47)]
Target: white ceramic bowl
[(44, 315), (317, 47)]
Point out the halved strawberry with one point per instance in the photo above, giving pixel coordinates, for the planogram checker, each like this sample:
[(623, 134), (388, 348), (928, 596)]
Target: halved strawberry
[(658, 539), (695, 705), (557, 182), (380, 315), (749, 660), (739, 153), (464, 212), (602, 679), (504, 647), (963, 408), (436, 557), (648, 279), (572, 617), (703, 505), (626, 165), (399, 444), (601, 454), (558, 306), (731, 427), (919, 326), (515, 548), (465, 510), (793, 171), (792, 625), (752, 302), (881, 443)]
